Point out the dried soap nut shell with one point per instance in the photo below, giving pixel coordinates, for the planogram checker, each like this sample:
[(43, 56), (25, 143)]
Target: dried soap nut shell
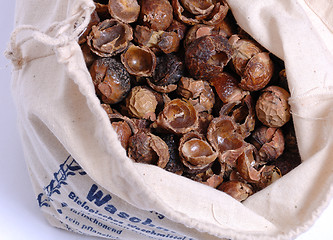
[(124, 10), (198, 92), (142, 103), (207, 56), (109, 37), (178, 116), (246, 163), (195, 152), (139, 61), (195, 12), (272, 107), (179, 28), (243, 113), (169, 42), (258, 72), (222, 135), (269, 142), (148, 148), (198, 7), (157, 15), (269, 174), (236, 189), (123, 131), (169, 69), (243, 51), (226, 87), (111, 80)]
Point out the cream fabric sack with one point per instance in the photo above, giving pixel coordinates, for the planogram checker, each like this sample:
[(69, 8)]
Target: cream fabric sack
[(85, 183)]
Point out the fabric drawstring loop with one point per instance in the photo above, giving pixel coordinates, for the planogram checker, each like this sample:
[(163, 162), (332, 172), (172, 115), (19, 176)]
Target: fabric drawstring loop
[(55, 35)]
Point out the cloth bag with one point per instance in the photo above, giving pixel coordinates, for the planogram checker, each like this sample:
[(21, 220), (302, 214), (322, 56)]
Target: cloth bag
[(80, 173)]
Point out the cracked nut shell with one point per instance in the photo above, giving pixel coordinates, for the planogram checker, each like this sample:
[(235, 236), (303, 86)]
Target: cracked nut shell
[(124, 10), (269, 142), (258, 72), (156, 15), (111, 80), (145, 147), (139, 61), (109, 37), (236, 189), (195, 152), (198, 92), (207, 56), (142, 103), (272, 107), (178, 116)]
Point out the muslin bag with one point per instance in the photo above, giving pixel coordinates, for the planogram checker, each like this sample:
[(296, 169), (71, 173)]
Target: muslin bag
[(80, 173)]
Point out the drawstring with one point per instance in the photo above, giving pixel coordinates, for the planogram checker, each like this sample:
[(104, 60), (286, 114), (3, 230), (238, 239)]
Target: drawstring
[(14, 51)]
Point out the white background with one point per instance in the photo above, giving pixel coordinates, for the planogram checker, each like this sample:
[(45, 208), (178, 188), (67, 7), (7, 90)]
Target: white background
[(20, 217)]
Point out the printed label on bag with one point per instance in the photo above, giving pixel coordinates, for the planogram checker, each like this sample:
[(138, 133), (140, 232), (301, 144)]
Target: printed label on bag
[(84, 207)]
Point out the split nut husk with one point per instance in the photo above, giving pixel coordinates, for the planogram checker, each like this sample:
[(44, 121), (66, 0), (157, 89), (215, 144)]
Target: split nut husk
[(111, 80), (195, 152), (198, 92), (139, 61), (178, 116), (157, 15), (109, 37), (258, 72), (145, 147), (124, 10), (269, 142), (207, 56), (223, 136), (236, 189)]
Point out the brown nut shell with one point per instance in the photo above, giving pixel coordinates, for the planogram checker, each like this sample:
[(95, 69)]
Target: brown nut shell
[(222, 135), (179, 28), (178, 116), (207, 56), (198, 92), (124, 10), (195, 152), (269, 142), (226, 87), (198, 7), (218, 14), (258, 72), (111, 80), (142, 103), (148, 148), (246, 163), (169, 42), (272, 107), (169, 69), (109, 37), (236, 189), (243, 113), (269, 174), (157, 15), (139, 61), (243, 51)]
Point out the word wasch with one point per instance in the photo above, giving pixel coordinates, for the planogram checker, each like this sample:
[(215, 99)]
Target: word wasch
[(97, 197)]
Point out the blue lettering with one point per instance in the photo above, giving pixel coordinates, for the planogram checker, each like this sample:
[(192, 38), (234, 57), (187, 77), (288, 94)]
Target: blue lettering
[(111, 209), (97, 196), (123, 215)]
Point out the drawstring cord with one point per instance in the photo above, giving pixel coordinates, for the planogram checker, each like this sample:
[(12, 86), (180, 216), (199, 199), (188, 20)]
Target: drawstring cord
[(14, 51)]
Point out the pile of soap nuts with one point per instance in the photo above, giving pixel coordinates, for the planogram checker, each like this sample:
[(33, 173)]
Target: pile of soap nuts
[(187, 90)]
